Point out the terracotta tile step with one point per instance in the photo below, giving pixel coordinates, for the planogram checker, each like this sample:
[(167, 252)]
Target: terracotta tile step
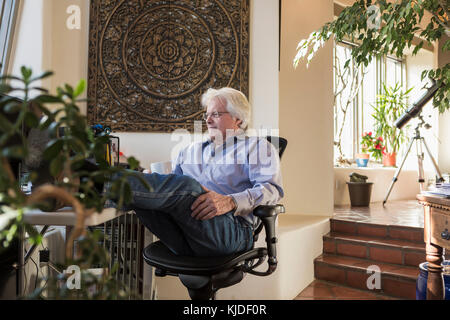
[(414, 234), (324, 290), (395, 251), (393, 280)]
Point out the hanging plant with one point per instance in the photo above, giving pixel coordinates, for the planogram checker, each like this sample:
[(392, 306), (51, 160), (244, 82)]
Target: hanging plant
[(380, 28)]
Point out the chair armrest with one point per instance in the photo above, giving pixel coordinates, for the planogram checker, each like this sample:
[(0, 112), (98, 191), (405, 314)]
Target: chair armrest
[(268, 215), (266, 211)]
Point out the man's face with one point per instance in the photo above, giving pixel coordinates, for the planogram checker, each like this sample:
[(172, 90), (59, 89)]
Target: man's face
[(217, 127)]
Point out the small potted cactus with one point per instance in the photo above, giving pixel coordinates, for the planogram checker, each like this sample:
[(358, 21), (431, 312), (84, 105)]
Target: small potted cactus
[(359, 189)]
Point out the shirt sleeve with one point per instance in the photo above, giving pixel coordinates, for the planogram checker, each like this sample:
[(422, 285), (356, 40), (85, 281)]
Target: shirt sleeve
[(265, 176), (176, 165)]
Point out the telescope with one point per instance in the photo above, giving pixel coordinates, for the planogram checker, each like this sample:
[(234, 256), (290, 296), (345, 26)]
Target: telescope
[(417, 106), (408, 115)]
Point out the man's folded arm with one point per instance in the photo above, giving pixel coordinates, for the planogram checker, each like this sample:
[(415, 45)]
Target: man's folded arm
[(261, 194)]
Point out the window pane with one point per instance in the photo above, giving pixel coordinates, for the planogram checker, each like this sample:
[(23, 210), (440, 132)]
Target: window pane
[(391, 78), (358, 111), (369, 94), (344, 113), (8, 15)]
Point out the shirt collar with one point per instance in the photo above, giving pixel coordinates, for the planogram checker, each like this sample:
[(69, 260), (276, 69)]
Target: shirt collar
[(238, 134)]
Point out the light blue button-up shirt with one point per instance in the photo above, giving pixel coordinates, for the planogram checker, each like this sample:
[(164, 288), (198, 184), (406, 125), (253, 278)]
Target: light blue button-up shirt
[(246, 168)]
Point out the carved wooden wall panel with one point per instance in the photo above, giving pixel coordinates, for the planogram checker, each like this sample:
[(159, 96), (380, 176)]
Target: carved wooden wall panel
[(150, 61)]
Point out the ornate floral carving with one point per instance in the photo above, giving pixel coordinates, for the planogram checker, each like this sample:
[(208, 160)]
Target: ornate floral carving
[(150, 61)]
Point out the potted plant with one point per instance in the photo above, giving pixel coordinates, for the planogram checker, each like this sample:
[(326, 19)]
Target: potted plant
[(391, 30), (388, 107), (359, 190), (67, 181), (369, 145), (362, 158)]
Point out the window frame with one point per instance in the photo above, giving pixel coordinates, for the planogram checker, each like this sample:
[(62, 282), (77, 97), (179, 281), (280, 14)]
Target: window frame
[(9, 10), (357, 105)]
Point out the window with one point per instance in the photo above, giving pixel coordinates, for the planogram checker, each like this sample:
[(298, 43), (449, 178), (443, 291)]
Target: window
[(8, 15), (355, 91)]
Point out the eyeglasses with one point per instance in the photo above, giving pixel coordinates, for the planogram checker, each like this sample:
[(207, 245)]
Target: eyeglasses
[(214, 114)]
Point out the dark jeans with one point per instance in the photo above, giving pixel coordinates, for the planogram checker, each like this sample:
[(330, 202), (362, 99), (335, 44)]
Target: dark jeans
[(165, 211)]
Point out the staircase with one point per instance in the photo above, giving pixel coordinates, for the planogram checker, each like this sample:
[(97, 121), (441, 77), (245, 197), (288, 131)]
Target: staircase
[(352, 247)]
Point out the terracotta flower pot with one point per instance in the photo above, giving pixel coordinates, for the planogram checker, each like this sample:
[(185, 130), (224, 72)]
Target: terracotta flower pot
[(362, 159), (389, 159)]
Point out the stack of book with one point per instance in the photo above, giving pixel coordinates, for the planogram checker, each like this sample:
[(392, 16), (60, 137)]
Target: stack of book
[(440, 189)]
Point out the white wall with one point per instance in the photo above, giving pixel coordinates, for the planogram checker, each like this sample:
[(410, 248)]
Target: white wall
[(405, 188), (264, 34), (444, 150), (28, 42), (306, 111), (444, 119), (423, 60), (67, 47), (43, 42)]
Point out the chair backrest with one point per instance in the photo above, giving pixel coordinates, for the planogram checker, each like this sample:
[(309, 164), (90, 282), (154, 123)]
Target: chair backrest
[(279, 143)]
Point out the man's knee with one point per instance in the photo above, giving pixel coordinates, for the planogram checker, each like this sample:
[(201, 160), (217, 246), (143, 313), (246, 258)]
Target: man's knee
[(190, 183)]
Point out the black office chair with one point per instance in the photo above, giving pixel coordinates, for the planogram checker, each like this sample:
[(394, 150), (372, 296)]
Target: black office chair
[(203, 276)]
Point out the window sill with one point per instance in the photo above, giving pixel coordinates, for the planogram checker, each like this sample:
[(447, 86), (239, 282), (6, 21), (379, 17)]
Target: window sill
[(407, 186), (380, 167)]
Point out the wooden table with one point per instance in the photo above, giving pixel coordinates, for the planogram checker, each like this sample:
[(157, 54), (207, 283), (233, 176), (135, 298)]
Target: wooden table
[(436, 237)]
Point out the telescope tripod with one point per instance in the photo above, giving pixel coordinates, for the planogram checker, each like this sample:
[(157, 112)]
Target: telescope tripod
[(420, 156)]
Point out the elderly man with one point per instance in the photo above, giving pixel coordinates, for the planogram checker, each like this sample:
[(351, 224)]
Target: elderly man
[(204, 208)]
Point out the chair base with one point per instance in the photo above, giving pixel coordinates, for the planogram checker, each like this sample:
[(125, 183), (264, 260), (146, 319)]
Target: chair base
[(205, 287)]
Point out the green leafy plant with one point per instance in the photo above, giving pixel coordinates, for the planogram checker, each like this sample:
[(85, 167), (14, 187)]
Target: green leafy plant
[(358, 178), (372, 145), (394, 32), (388, 108), (70, 183)]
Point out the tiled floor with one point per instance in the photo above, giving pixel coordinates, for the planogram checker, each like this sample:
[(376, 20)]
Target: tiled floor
[(407, 213), (322, 290)]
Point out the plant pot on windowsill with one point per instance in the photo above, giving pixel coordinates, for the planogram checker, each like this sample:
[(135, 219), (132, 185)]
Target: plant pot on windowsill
[(359, 190), (389, 159), (362, 159)]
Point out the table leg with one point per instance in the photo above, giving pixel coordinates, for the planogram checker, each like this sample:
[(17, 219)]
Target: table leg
[(435, 283), (69, 230)]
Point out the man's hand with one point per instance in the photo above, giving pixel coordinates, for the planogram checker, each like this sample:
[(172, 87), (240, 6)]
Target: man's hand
[(211, 204)]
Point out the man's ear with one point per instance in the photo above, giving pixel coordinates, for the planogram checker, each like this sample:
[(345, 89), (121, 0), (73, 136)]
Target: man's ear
[(239, 122)]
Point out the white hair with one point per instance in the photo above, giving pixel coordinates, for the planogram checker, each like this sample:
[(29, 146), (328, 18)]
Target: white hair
[(234, 100)]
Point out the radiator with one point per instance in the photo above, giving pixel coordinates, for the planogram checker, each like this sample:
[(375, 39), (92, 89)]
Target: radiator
[(125, 238)]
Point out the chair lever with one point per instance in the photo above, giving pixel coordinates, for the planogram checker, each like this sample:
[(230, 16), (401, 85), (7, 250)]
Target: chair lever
[(271, 268)]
